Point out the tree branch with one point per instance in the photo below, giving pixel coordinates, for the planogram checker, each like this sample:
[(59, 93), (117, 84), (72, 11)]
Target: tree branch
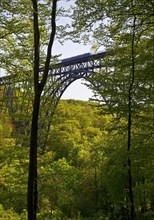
[(52, 36), (5, 35)]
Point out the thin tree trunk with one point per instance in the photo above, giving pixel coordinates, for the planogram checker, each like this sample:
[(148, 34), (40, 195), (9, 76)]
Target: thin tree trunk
[(32, 193), (32, 178), (131, 198), (96, 190)]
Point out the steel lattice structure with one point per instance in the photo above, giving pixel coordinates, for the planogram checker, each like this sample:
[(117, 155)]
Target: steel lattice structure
[(62, 74), (71, 69)]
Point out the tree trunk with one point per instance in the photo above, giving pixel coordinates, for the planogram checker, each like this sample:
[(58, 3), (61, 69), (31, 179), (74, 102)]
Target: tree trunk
[(32, 194), (130, 92), (32, 178), (131, 198)]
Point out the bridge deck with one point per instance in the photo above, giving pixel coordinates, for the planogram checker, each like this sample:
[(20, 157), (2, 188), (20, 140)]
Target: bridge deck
[(66, 65)]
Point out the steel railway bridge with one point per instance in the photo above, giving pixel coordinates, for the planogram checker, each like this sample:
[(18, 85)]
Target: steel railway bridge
[(61, 75)]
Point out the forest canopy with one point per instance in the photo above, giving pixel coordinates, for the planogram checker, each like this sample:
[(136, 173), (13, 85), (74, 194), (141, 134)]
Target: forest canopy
[(83, 160)]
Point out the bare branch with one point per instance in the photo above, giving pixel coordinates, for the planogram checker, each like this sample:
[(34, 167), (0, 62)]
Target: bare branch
[(5, 35)]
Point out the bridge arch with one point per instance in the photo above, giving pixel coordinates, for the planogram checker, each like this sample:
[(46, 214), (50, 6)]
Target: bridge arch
[(61, 75), (63, 83), (78, 90)]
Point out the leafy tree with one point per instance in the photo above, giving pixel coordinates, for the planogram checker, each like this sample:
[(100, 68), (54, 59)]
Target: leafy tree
[(125, 85), (9, 214)]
